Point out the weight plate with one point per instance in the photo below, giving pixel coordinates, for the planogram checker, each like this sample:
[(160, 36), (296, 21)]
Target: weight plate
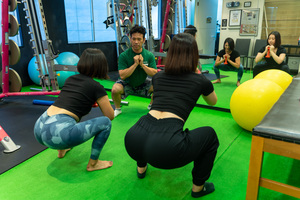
[(14, 26), (15, 83)]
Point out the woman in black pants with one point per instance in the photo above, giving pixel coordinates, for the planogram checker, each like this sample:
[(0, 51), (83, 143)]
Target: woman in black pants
[(275, 58), (158, 138)]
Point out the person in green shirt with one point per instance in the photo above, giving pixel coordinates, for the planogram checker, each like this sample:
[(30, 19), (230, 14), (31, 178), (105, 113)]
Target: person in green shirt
[(134, 65)]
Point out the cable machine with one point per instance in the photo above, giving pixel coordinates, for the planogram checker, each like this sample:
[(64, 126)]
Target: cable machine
[(123, 14), (11, 81), (11, 53), (175, 21)]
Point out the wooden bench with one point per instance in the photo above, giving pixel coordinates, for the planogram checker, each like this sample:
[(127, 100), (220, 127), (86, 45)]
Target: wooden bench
[(278, 133)]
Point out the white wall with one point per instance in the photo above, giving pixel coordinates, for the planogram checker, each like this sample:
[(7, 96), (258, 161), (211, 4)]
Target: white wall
[(206, 34), (234, 32)]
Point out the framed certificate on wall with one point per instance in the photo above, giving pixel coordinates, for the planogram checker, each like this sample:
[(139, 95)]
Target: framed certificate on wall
[(247, 4), (249, 22), (235, 17)]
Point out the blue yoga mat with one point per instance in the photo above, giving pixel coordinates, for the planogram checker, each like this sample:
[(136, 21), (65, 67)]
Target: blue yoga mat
[(42, 102)]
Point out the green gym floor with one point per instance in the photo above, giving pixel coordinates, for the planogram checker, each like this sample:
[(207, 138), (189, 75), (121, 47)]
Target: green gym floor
[(46, 177)]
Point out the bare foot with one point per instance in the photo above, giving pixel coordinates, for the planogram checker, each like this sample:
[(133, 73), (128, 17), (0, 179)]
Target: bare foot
[(217, 81), (238, 83), (197, 188), (142, 169), (97, 165), (62, 153)]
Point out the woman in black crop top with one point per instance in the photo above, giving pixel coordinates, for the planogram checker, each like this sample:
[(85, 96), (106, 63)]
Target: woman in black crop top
[(58, 129), (233, 61), (276, 57), (158, 138)]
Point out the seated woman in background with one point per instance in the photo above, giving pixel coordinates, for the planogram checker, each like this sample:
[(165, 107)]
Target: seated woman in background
[(158, 138), (233, 61), (275, 58), (58, 129)]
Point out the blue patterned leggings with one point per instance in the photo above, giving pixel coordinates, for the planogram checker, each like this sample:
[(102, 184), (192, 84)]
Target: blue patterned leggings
[(62, 132)]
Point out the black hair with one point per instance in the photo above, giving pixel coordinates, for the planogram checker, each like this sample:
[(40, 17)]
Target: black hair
[(93, 63), (182, 55), (230, 43), (277, 38), (191, 30), (138, 29)]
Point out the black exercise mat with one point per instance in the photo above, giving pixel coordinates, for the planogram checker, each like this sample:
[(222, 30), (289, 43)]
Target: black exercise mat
[(212, 77), (114, 75), (17, 117)]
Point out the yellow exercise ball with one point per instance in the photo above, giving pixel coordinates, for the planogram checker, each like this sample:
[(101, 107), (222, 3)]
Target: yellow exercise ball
[(280, 77), (251, 101)]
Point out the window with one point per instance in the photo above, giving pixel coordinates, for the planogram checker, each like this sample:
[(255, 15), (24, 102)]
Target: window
[(17, 38), (100, 15), (156, 19), (155, 15), (85, 24), (39, 17), (79, 20), (85, 21)]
